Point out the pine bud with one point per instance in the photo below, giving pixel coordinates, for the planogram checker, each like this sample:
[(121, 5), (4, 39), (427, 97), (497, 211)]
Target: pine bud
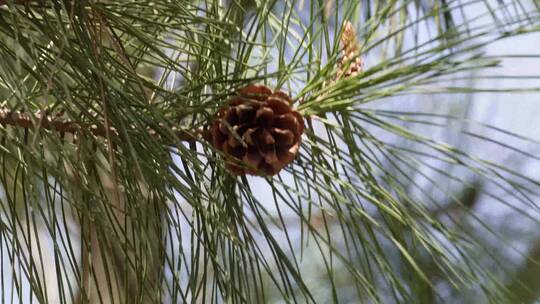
[(350, 63)]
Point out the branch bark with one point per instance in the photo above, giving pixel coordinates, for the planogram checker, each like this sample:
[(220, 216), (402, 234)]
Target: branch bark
[(57, 124), (4, 2), (525, 286)]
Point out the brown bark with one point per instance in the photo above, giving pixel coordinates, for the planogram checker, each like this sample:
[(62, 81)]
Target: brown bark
[(25, 120), (3, 2)]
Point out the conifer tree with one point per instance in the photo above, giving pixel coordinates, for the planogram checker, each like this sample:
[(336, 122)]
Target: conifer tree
[(254, 151)]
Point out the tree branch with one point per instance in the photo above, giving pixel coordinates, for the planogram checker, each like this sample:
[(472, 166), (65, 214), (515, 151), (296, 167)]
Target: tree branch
[(57, 124), (4, 2), (525, 286)]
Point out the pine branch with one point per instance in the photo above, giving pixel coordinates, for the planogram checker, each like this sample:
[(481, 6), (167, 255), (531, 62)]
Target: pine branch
[(4, 2), (62, 126), (525, 286)]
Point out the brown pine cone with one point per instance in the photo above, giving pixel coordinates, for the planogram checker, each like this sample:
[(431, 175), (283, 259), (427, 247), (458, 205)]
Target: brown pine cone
[(258, 130)]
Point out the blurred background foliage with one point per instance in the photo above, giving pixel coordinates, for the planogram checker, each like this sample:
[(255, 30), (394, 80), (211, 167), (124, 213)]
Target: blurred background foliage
[(417, 180)]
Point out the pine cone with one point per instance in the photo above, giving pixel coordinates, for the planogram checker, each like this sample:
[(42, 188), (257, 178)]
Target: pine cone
[(258, 131)]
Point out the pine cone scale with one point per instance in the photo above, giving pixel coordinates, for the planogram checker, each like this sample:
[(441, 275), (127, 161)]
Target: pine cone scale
[(218, 137), (287, 155), (258, 92), (266, 137), (268, 153), (246, 113), (283, 137), (278, 106), (252, 158), (287, 122), (248, 136), (265, 116)]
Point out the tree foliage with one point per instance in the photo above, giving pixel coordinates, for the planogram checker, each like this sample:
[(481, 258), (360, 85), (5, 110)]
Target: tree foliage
[(381, 204)]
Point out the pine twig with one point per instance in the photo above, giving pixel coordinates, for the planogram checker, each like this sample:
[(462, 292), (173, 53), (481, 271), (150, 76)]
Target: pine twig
[(4, 2), (525, 285), (62, 126)]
